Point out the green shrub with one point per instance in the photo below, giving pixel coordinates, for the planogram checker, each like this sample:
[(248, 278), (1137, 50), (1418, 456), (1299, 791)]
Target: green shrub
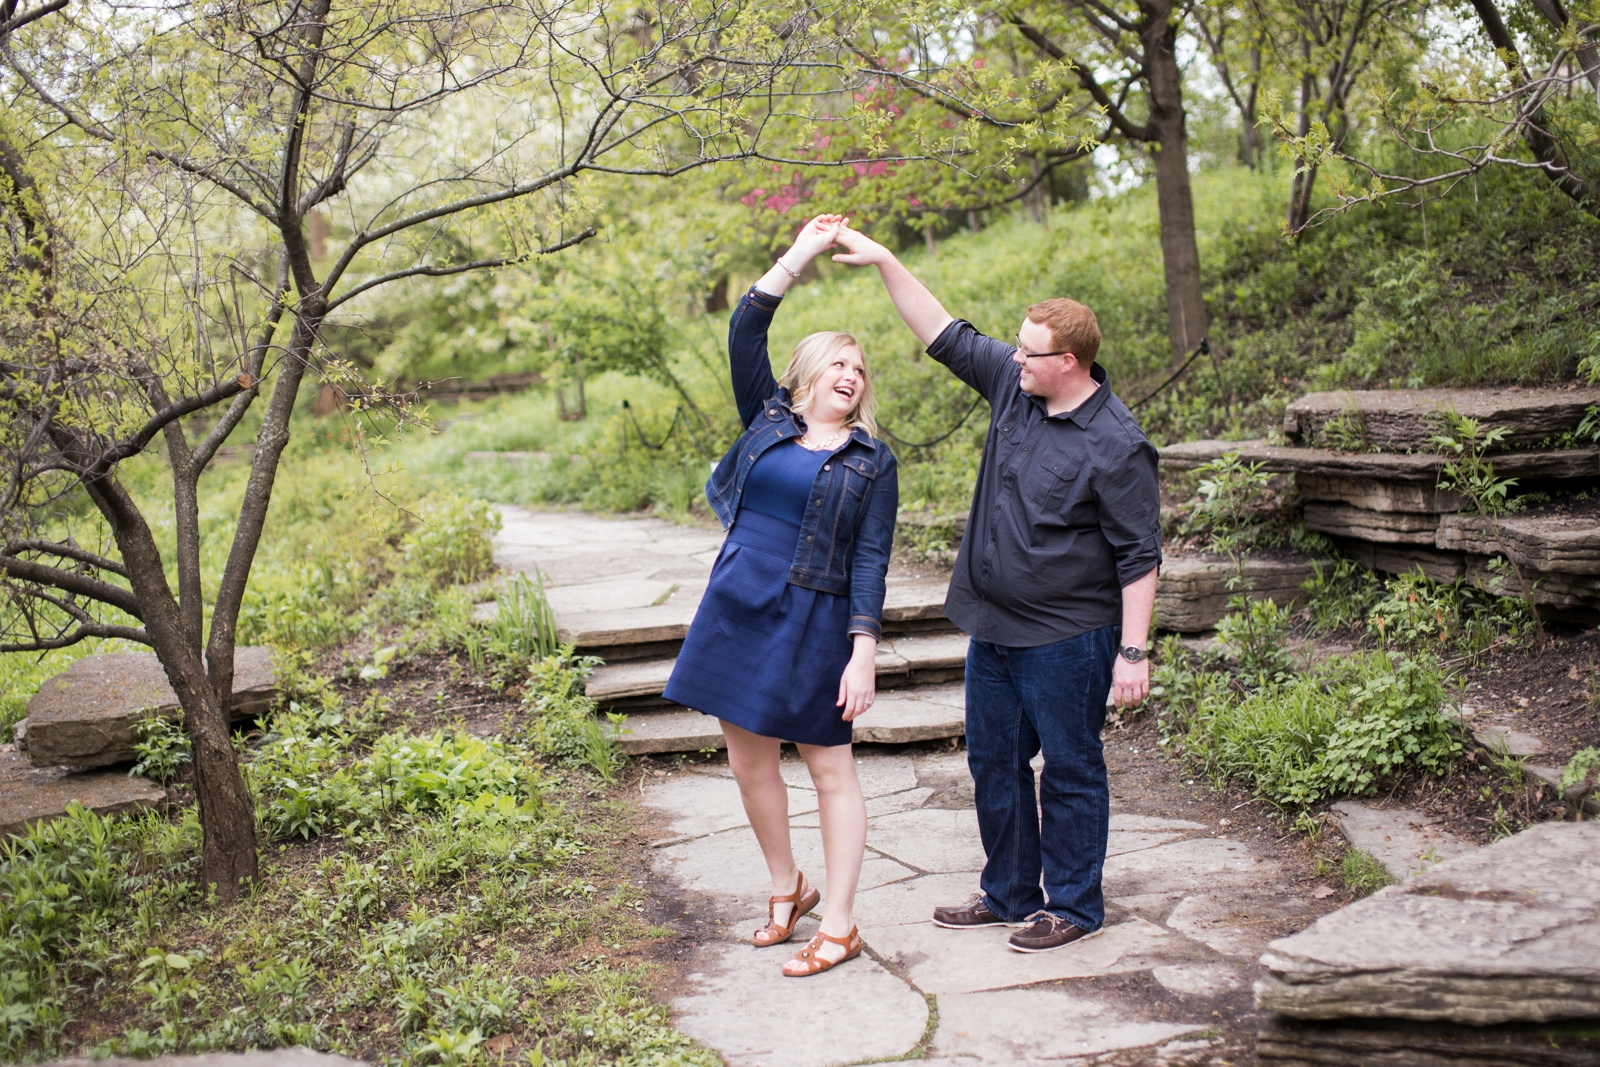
[(1341, 728), (452, 542)]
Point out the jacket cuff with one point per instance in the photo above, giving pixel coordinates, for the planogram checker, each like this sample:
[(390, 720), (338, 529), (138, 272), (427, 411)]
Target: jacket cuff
[(865, 624), (765, 301)]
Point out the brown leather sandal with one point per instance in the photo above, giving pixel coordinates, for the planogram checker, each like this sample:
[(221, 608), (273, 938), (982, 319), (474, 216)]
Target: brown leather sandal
[(814, 963), (804, 898)]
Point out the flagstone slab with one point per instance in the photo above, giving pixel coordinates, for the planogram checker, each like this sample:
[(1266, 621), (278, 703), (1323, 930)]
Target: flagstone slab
[(900, 716), (1548, 464), (1507, 933), (1192, 592), (647, 732), (1405, 841), (30, 794), (1199, 979), (699, 805), (1405, 420), (1284, 1042), (1387, 527), (944, 961), (729, 864), (742, 1005), (1553, 542), (1046, 1024), (932, 840), (84, 716), (1378, 495), (1212, 861)]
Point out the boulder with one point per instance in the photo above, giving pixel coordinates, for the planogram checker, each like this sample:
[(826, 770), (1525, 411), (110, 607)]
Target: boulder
[(1545, 465), (1193, 592), (29, 794), (84, 716), (1403, 420), (1509, 933)]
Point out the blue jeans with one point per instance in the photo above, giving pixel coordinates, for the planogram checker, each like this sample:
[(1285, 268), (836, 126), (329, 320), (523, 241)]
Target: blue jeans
[(1021, 701)]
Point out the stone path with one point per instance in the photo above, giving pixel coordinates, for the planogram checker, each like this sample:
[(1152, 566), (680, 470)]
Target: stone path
[(1189, 910)]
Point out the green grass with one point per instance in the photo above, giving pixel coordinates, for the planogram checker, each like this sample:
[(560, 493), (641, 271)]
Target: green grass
[(1363, 875)]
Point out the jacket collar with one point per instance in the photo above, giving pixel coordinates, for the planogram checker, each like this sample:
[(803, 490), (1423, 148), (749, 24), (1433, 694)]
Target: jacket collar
[(780, 406)]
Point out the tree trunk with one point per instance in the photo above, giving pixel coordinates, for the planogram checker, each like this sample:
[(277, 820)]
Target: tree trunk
[(227, 814), (1180, 255)]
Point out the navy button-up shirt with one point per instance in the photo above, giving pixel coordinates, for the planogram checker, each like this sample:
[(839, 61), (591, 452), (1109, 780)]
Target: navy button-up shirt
[(1067, 509)]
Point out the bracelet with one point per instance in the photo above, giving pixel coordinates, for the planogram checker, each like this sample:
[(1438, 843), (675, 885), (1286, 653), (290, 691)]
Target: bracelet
[(786, 269)]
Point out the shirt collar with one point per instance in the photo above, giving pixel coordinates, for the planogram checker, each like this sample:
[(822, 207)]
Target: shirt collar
[(1085, 412)]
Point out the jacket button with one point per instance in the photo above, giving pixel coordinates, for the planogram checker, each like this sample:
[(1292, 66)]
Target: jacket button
[(827, 466), (809, 538)]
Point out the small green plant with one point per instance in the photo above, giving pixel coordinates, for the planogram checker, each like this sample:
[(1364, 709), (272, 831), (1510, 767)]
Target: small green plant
[(1231, 494), (564, 723), (379, 667), (161, 747), (1469, 472), (523, 629), (1346, 432), (1340, 595), (1257, 631), (1363, 874), (1578, 777)]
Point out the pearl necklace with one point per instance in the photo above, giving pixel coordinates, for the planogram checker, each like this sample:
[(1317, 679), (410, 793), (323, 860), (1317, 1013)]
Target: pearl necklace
[(805, 441)]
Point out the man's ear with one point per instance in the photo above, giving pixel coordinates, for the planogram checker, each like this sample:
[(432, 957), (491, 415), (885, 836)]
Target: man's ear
[(1069, 362)]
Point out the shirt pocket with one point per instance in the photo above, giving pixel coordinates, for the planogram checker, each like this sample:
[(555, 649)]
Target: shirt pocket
[(1049, 478), (859, 473)]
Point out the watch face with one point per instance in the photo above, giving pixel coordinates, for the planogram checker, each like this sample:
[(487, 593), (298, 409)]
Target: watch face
[(1132, 654)]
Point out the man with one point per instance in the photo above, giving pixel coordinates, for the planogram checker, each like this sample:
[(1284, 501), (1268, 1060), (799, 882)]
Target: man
[(1055, 581)]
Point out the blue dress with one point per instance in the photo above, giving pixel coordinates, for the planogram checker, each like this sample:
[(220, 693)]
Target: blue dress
[(761, 653)]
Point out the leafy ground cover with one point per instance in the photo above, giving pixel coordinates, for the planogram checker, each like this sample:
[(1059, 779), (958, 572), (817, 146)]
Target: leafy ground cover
[(438, 889)]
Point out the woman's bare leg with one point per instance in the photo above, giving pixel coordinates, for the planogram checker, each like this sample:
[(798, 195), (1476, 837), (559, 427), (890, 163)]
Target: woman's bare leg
[(844, 835), (754, 762)]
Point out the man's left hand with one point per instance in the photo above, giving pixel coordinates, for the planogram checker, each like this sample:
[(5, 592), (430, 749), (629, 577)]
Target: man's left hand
[(1130, 682)]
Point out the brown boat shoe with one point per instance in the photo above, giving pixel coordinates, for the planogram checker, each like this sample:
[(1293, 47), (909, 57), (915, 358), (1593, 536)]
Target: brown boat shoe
[(1045, 932)]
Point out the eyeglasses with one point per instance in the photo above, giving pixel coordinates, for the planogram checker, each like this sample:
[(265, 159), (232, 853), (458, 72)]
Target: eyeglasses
[(1035, 355)]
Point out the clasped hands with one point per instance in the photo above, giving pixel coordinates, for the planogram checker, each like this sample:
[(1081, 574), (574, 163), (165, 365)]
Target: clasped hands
[(826, 231)]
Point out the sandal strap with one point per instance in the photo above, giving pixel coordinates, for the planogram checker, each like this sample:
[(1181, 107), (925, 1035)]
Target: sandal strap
[(847, 941), (790, 898)]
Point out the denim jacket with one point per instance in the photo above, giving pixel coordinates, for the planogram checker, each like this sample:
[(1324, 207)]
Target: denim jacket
[(849, 521)]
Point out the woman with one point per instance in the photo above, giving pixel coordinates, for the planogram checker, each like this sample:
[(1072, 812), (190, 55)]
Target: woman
[(783, 646)]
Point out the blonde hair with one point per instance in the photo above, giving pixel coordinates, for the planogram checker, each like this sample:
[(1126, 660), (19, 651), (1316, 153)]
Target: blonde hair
[(811, 356)]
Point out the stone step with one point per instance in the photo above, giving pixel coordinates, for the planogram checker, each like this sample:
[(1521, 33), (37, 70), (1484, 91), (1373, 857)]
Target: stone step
[(1567, 464), (1406, 842), (84, 716), (914, 659), (1404, 420), (29, 794), (1505, 934), (1192, 593), (899, 716)]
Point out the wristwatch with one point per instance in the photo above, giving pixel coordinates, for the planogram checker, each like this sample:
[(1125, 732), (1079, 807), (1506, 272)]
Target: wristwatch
[(1132, 653)]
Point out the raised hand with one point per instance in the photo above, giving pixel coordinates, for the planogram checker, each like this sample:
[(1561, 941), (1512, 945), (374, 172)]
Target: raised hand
[(860, 250), (815, 237)]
